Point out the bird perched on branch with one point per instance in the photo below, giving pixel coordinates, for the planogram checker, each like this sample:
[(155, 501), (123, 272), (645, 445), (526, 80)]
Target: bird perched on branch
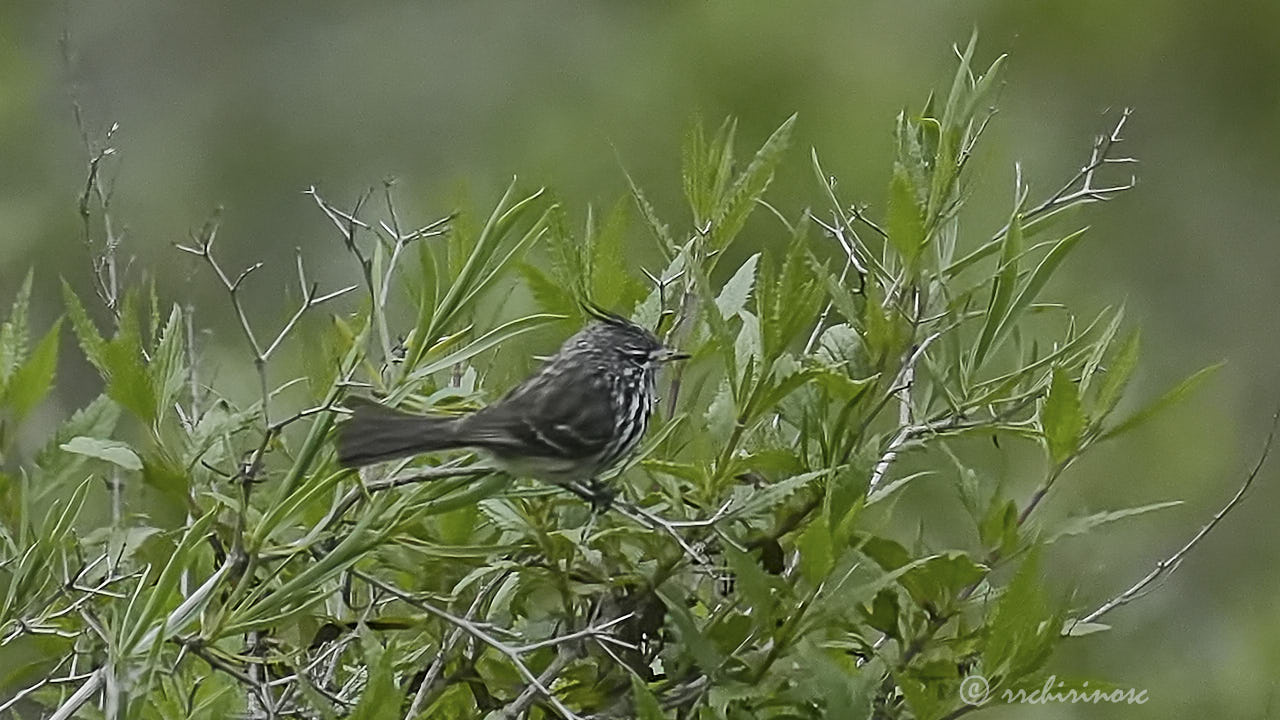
[(577, 416)]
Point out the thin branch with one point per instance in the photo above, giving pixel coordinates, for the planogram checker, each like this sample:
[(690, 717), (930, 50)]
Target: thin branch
[(908, 430), (1169, 564), (512, 654)]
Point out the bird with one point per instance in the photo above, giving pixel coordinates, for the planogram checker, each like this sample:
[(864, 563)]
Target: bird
[(576, 417)]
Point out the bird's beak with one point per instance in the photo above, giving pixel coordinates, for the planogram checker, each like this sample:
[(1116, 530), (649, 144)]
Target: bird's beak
[(666, 355)]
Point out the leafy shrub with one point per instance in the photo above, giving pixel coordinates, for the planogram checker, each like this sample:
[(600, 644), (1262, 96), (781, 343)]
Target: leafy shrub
[(173, 552)]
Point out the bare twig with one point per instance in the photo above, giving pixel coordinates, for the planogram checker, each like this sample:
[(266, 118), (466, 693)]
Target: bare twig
[(1169, 564), (512, 654), (203, 248)]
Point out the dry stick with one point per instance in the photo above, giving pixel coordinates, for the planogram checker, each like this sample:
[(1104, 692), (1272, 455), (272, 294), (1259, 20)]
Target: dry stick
[(552, 671), (512, 654), (1169, 564), (310, 299)]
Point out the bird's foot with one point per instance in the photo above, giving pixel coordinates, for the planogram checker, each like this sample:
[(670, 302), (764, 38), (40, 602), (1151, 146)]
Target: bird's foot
[(601, 497)]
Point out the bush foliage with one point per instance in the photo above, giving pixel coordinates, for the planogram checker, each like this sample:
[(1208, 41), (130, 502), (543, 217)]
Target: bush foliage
[(174, 551)]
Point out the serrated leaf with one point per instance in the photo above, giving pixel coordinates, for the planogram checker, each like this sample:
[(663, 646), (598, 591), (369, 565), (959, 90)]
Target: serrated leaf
[(721, 414), (1061, 417), (31, 381), (91, 342), (748, 501), (1180, 391), (740, 199), (167, 371), (1082, 525), (112, 451), (752, 583), (905, 221), (14, 332), (661, 233), (1022, 628)]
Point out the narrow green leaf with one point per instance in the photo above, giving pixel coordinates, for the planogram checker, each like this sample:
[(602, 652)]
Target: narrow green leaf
[(31, 381), (1174, 395), (14, 333), (741, 198), (906, 222), (1040, 276), (1082, 525), (164, 590), (493, 338), (661, 233), (1061, 418), (91, 341), (167, 370), (1118, 373), (1075, 628), (1002, 287)]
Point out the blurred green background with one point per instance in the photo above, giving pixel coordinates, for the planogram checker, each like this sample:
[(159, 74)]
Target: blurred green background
[(245, 104)]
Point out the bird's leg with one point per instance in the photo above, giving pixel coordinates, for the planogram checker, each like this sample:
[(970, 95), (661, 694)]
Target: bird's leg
[(601, 496)]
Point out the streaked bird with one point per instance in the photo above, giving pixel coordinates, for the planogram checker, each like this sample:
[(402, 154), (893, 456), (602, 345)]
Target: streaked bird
[(583, 411)]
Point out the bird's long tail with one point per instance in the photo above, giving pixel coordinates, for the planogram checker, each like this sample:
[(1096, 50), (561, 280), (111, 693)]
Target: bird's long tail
[(376, 433)]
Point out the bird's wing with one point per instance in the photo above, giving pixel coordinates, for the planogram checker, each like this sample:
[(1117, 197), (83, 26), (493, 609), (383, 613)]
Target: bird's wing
[(548, 417)]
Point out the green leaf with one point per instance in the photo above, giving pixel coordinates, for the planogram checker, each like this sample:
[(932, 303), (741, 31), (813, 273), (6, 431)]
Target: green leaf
[(1082, 525), (906, 222), (647, 707), (493, 338), (1171, 397), (1002, 288), (753, 583), (1075, 628), (930, 581), (128, 380), (733, 296), (816, 554), (1021, 629), (33, 378), (661, 233), (1061, 418), (704, 652), (883, 613), (1118, 373), (91, 342), (112, 451), (381, 699), (14, 332), (741, 198), (167, 371)]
